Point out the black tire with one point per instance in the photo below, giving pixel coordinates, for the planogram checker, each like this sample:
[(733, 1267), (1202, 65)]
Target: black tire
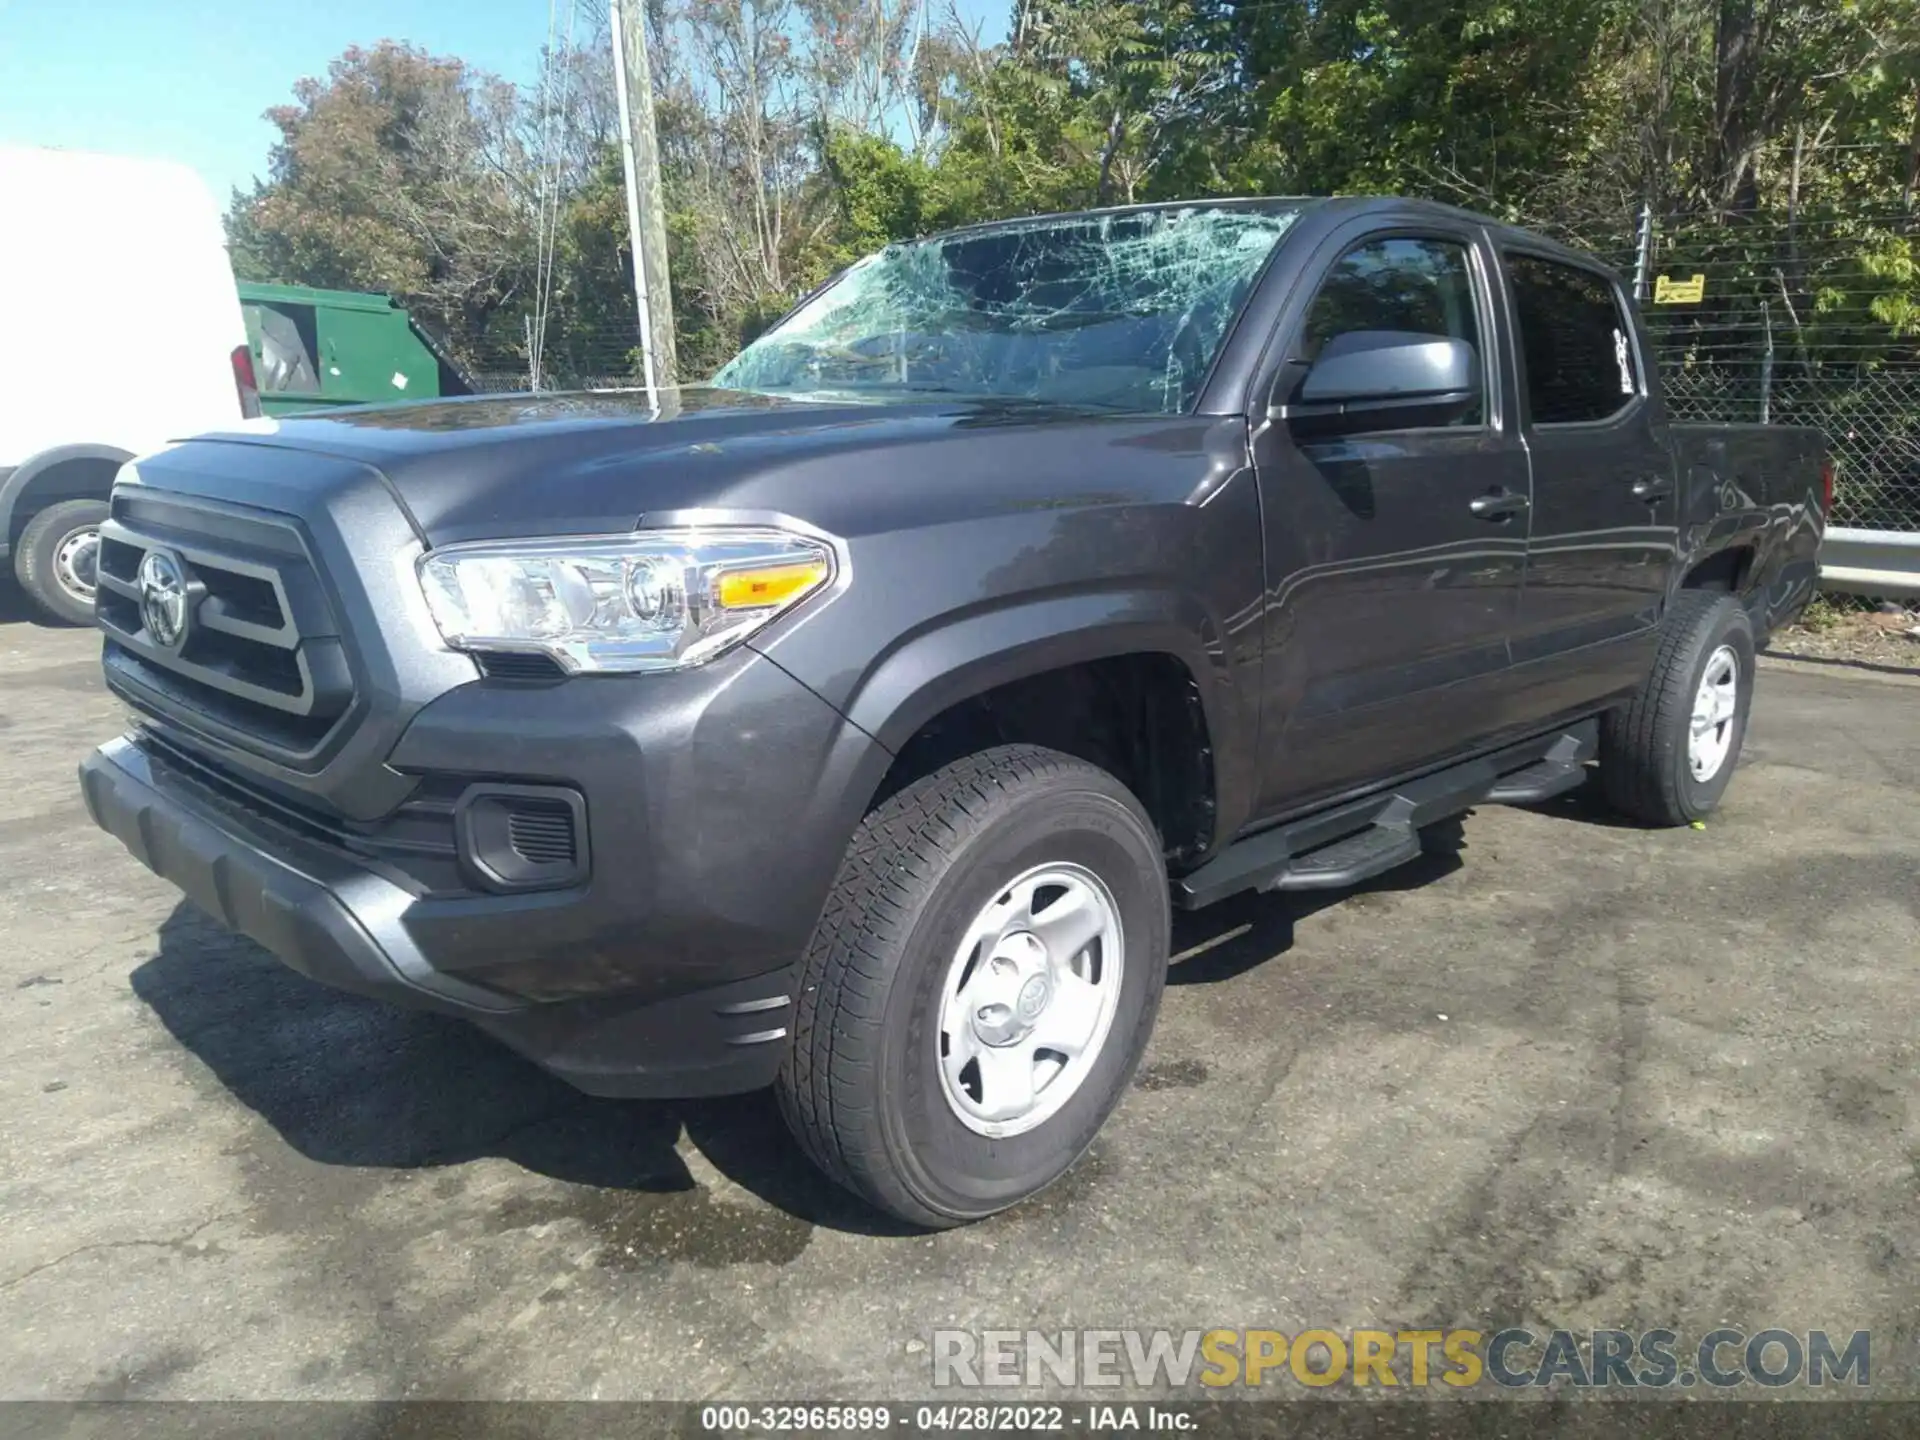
[(34, 559), (861, 1087), (1645, 769)]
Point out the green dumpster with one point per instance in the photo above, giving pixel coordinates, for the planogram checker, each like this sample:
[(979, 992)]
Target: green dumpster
[(316, 348)]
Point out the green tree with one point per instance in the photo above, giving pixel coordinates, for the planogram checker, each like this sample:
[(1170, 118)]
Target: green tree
[(1777, 140), (401, 172)]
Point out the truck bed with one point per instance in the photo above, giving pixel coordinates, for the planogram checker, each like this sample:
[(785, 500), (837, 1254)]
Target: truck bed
[(1763, 478), (1771, 464)]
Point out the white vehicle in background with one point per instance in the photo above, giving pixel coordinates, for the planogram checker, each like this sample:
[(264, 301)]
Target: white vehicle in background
[(120, 330)]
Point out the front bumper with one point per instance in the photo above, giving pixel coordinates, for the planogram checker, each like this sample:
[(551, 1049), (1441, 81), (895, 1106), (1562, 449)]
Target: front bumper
[(667, 973)]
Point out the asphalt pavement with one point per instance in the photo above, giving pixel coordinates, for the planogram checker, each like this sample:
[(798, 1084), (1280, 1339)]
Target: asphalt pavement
[(1562, 1072)]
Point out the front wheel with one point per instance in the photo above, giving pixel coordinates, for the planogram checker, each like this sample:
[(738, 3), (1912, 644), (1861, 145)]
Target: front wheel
[(58, 559), (1666, 758), (981, 985)]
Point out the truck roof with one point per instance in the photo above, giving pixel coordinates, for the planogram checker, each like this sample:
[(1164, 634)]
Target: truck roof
[(1386, 206)]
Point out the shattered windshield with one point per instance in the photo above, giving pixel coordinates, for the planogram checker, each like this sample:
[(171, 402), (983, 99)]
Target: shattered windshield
[(1125, 311)]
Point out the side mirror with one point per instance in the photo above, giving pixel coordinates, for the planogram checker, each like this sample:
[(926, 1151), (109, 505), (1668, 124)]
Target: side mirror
[(1386, 378)]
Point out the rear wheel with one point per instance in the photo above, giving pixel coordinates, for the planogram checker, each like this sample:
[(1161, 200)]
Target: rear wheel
[(57, 560), (980, 986), (1667, 757)]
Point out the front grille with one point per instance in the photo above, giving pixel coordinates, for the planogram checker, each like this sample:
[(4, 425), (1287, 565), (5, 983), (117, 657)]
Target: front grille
[(259, 653)]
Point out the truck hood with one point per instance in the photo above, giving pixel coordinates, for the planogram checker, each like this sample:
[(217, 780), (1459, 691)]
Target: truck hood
[(527, 465)]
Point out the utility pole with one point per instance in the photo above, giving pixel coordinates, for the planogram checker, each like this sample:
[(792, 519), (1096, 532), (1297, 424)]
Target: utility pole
[(646, 209)]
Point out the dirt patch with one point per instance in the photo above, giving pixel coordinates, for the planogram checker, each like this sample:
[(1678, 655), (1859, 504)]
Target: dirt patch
[(636, 1229), (1171, 1075), (1887, 638)]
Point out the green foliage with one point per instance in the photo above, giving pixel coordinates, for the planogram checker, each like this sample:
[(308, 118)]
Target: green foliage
[(878, 193), (386, 178), (1822, 614), (797, 135), (1893, 299), (1409, 95)]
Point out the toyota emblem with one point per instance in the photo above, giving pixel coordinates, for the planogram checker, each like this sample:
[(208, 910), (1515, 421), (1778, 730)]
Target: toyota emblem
[(163, 598), (1033, 998)]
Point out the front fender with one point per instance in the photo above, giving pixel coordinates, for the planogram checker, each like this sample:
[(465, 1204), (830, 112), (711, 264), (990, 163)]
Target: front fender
[(965, 655), (936, 611)]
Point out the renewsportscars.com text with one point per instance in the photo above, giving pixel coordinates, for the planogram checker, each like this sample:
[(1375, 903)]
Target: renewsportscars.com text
[(1512, 1358)]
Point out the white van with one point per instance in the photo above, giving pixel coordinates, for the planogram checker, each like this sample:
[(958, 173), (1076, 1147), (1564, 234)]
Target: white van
[(120, 330)]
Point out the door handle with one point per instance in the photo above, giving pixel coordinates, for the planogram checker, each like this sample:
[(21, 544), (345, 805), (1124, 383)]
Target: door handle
[(1498, 504), (1652, 489)]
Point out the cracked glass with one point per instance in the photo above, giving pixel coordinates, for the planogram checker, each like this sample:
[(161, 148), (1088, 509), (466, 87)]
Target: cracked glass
[(1123, 311)]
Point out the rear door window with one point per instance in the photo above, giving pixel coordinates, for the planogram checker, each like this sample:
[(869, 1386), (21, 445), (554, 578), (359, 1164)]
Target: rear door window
[(1575, 342)]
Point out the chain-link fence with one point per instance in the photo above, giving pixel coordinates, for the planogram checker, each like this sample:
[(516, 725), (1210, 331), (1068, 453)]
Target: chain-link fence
[(1797, 319), (515, 382), (1872, 425)]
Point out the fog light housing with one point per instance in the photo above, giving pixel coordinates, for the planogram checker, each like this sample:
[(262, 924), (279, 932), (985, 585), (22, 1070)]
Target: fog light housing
[(522, 837)]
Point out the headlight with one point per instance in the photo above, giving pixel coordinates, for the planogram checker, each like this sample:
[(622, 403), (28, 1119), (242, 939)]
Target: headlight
[(650, 600)]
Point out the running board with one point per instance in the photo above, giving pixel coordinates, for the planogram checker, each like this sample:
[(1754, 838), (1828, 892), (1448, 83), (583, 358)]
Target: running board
[(1366, 837), (1562, 769), (1364, 854)]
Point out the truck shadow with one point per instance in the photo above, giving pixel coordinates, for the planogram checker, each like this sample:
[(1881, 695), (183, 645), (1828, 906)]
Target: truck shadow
[(349, 1082), (1845, 663), (1587, 805), (1237, 934), (14, 608)]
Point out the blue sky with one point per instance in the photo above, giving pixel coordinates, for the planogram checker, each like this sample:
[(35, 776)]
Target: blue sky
[(189, 79)]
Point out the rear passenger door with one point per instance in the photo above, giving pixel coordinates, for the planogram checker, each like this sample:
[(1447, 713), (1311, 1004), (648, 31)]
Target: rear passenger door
[(1395, 550), (1603, 485)]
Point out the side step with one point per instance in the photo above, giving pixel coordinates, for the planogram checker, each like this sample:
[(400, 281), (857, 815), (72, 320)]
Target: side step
[(1563, 767), (1362, 838), (1361, 856)]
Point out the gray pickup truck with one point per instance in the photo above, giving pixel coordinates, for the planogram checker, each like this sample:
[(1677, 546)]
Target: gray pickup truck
[(853, 724)]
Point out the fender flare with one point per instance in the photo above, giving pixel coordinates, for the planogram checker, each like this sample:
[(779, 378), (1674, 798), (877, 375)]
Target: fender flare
[(961, 656), (14, 485)]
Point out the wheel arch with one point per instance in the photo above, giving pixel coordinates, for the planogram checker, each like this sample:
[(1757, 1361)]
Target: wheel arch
[(66, 472), (1729, 569), (1023, 665)]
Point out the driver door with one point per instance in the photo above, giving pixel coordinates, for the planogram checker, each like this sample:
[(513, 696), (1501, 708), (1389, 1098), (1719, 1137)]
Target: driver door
[(1396, 541)]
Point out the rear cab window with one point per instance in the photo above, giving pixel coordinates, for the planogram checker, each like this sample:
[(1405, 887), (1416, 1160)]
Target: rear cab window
[(1575, 340)]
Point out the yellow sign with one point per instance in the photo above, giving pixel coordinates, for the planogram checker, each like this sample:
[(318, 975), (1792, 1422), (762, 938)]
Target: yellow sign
[(1668, 291)]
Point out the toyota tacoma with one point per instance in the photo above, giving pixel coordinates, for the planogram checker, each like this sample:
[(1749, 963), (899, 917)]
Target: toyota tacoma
[(852, 724)]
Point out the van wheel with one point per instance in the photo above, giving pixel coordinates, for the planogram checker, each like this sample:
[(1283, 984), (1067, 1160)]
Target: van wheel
[(58, 559), (980, 986), (1667, 757)]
